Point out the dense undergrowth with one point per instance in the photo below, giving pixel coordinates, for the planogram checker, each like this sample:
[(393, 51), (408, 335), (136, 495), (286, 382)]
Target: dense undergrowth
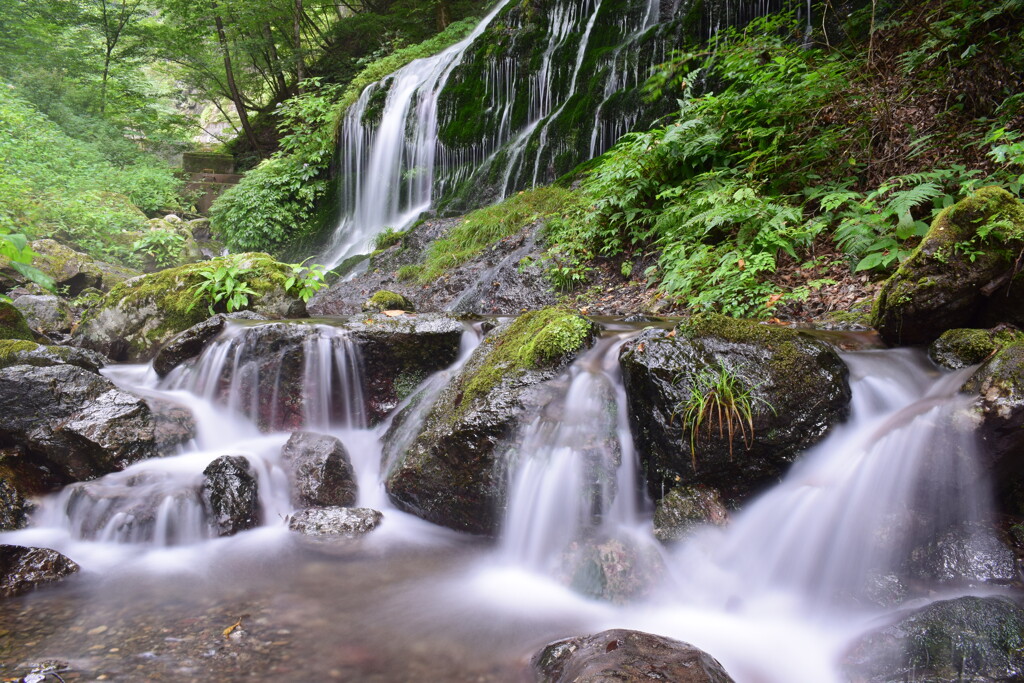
[(86, 192), (785, 153)]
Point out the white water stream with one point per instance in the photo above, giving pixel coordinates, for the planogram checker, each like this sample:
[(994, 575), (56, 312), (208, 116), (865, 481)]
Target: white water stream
[(775, 596)]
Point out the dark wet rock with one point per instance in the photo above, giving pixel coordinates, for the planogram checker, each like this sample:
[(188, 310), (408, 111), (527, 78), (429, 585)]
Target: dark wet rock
[(969, 555), (884, 590), (139, 315), (686, 508), (621, 655), (13, 508), (452, 472), (74, 424), (192, 341), (399, 352), (798, 387), (20, 352), (13, 324), (174, 425), (505, 279), (320, 470), (959, 348), (617, 570), (24, 569), (966, 639), (335, 521), (999, 409), (385, 300), (47, 314), (230, 494), (958, 276)]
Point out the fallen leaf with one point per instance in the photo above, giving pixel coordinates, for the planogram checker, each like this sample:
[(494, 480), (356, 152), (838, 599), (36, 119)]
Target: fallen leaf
[(741, 264), (230, 629), (393, 314), (671, 334)]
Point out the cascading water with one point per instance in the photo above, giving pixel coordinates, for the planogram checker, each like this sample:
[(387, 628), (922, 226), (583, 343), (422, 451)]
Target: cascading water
[(402, 145), (775, 596)]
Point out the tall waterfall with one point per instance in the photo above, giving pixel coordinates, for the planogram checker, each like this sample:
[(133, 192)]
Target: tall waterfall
[(531, 93)]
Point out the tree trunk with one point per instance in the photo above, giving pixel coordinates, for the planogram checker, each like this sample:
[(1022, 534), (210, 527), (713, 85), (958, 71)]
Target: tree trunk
[(300, 65), (236, 95)]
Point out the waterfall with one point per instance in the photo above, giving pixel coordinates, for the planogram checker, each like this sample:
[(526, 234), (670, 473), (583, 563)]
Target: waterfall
[(387, 170)]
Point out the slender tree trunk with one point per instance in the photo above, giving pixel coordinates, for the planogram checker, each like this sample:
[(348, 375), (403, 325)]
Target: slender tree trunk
[(236, 95), (300, 65), (274, 62)]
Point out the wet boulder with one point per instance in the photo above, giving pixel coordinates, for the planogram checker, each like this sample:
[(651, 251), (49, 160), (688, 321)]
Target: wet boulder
[(616, 570), (73, 424), (397, 352), (192, 341), (960, 273), (967, 555), (13, 507), (451, 471), (320, 471), (384, 300), (139, 315), (230, 495), (21, 352), (965, 639), (335, 521), (47, 314), (622, 655), (24, 569), (686, 508), (999, 413), (729, 403), (959, 348)]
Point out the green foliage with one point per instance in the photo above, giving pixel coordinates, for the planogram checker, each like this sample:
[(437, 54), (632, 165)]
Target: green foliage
[(163, 245), (378, 68), (483, 227), (305, 281), (223, 283), (718, 398), (54, 185), (389, 237), (15, 249)]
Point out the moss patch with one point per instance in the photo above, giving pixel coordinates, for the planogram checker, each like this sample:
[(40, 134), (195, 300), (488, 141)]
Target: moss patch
[(534, 340), (10, 348), (386, 300), (12, 323), (962, 347)]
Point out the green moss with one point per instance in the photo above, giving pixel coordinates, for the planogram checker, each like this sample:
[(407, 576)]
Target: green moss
[(385, 300), (173, 293), (407, 382), (12, 323), (9, 348), (534, 340), (962, 347)]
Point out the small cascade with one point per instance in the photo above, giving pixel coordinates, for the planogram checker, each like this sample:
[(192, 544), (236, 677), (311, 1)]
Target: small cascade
[(575, 470), (280, 376), (897, 475)]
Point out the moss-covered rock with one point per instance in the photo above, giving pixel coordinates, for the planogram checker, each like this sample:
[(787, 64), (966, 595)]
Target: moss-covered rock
[(13, 324), (72, 271), (962, 267), (999, 386), (451, 473), (385, 300), (966, 639), (46, 314), (794, 386), (959, 348), (21, 352), (686, 508), (140, 314)]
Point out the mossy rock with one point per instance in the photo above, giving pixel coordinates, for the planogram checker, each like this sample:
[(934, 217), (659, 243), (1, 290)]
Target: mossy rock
[(385, 300), (960, 271), (452, 471), (999, 409), (23, 352), (140, 314), (686, 508), (13, 324), (959, 348), (796, 386), (966, 639)]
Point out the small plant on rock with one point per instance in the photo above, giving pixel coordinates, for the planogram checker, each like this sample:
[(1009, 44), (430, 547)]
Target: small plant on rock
[(305, 281), (718, 398), (223, 283)]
